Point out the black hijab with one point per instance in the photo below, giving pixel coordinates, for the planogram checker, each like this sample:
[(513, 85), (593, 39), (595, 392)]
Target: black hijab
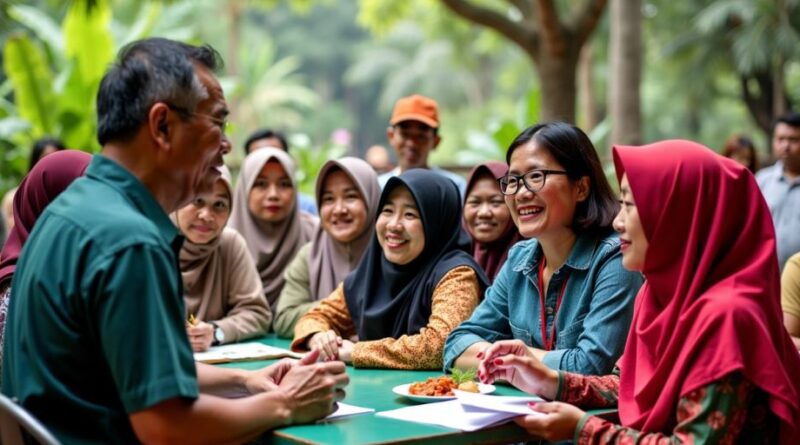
[(390, 300)]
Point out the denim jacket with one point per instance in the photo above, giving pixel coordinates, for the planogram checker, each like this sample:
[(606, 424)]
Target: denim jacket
[(592, 322)]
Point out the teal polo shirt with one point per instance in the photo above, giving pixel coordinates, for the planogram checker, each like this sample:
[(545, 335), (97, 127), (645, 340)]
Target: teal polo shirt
[(96, 324)]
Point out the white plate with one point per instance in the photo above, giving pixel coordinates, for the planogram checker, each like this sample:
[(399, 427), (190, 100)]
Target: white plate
[(402, 390)]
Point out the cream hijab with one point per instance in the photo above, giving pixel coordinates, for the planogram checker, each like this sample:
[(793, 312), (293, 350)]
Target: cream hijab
[(330, 261), (272, 245)]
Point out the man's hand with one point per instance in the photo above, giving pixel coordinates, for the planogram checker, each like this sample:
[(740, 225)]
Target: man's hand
[(312, 390), (268, 378), (200, 335)]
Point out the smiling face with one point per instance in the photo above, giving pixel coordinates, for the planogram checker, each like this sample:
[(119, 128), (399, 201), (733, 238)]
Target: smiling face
[(399, 227), (485, 210), (343, 212), (272, 195), (203, 220), (412, 142), (633, 242), (550, 211)]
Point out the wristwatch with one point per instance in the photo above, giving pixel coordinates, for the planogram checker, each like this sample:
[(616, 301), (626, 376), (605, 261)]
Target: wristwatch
[(219, 335)]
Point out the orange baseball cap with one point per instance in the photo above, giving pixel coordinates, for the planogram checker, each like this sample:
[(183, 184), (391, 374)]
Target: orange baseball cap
[(416, 108)]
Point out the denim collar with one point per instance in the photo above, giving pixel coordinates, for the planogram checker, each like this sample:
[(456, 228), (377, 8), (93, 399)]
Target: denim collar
[(120, 179), (580, 258)]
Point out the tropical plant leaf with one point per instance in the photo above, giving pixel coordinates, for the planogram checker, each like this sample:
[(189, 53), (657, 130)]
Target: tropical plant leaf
[(42, 26), (25, 65), (88, 39)]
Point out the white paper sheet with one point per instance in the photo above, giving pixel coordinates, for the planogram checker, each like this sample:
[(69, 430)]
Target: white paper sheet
[(469, 412), (503, 404), (243, 351), (451, 414), (345, 410)]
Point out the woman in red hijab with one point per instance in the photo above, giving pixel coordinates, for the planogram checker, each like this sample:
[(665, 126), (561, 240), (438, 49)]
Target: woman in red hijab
[(487, 217), (48, 178), (707, 359)]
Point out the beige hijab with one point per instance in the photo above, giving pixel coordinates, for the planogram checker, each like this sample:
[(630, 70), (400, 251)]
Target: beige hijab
[(330, 261), (272, 245), (204, 269)]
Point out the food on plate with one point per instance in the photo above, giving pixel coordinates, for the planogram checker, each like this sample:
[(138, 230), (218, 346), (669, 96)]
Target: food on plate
[(469, 386), (444, 385), (434, 386)]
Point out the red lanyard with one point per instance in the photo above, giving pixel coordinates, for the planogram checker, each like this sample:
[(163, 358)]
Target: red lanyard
[(548, 343)]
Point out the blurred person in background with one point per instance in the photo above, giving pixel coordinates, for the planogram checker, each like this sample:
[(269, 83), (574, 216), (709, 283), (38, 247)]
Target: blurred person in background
[(43, 147), (413, 133), (741, 149), (780, 185), (378, 157)]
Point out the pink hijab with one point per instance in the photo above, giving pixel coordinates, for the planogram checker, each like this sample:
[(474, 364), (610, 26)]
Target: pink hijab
[(491, 256), (48, 178), (711, 302)]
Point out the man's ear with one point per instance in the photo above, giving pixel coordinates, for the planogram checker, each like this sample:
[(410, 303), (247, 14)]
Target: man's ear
[(436, 140), (390, 133), (159, 124), (584, 187)]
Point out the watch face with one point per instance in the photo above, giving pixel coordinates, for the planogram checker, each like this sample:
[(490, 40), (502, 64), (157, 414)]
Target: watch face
[(219, 335)]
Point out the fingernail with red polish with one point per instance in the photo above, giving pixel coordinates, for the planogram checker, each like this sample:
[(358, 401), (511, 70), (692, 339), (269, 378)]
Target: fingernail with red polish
[(498, 361)]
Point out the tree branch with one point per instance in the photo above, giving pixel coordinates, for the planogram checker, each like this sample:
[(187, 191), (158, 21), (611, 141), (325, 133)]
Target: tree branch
[(523, 6), (585, 20), (551, 27), (518, 34)]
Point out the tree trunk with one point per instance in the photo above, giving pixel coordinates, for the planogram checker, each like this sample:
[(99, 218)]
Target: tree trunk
[(587, 98), (625, 73), (553, 42), (557, 79)]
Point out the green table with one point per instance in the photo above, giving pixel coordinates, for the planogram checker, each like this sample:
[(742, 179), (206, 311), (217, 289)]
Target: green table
[(372, 388)]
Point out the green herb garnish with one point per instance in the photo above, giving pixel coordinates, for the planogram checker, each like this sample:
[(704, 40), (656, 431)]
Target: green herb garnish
[(461, 376)]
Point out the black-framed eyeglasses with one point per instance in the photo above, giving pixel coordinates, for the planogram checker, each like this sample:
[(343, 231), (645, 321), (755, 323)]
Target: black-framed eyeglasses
[(534, 181), (222, 123)]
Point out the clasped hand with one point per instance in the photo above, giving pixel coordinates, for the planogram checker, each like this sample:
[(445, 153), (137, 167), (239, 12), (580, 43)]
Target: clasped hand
[(311, 388), (512, 361)]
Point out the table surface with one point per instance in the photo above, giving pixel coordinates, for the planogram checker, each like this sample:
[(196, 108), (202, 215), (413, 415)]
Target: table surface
[(372, 388)]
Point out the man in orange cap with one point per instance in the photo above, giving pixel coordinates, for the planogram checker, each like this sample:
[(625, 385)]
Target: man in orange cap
[(413, 132)]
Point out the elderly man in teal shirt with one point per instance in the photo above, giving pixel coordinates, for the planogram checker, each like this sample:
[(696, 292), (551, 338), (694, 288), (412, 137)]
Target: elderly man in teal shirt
[(96, 345)]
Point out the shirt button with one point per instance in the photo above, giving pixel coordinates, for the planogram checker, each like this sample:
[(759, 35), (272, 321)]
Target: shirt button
[(549, 310)]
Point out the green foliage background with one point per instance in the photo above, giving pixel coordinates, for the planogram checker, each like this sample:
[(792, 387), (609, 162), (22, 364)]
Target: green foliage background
[(311, 67)]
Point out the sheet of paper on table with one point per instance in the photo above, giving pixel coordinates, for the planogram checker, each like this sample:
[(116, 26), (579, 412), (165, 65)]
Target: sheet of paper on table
[(502, 404), (469, 413), (345, 410), (239, 352)]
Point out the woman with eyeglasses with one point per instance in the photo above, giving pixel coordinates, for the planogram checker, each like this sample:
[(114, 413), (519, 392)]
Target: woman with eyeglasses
[(708, 360), (564, 292)]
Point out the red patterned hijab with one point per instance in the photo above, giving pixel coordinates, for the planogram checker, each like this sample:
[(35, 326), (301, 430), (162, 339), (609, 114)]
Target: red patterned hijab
[(491, 256), (48, 178), (711, 302)]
